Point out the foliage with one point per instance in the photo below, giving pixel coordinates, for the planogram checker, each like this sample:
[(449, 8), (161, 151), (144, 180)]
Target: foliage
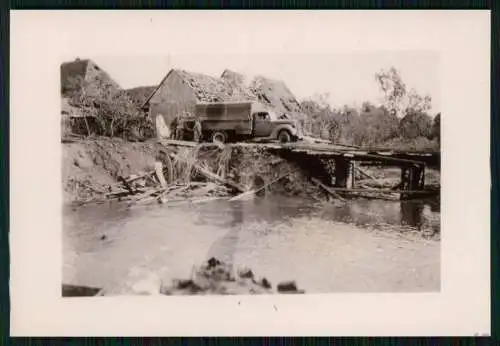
[(112, 110), (436, 127), (397, 99), (400, 122), (415, 125)]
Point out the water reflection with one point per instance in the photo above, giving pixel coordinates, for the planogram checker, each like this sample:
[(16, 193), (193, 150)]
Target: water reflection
[(224, 247), (412, 213), (416, 214)]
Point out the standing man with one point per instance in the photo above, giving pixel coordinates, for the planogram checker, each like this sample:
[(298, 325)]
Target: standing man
[(179, 130), (173, 128), (197, 131)]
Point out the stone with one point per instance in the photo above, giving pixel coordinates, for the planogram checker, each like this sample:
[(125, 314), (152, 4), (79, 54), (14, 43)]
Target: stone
[(287, 286), (245, 273), (265, 283), (213, 262)]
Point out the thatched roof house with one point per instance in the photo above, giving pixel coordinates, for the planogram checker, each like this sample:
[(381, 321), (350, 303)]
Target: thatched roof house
[(180, 90), (272, 93), (139, 94), (85, 73)]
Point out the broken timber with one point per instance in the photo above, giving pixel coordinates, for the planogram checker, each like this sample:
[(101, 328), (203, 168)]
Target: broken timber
[(327, 189), (253, 192), (213, 176), (309, 156)]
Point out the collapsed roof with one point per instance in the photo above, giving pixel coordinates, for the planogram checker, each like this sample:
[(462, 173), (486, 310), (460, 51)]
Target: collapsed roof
[(234, 87), (276, 94), (211, 89), (85, 70), (140, 94), (272, 93)]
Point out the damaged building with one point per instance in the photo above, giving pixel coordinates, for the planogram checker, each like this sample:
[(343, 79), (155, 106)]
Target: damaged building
[(180, 90), (272, 93), (139, 94), (85, 73)]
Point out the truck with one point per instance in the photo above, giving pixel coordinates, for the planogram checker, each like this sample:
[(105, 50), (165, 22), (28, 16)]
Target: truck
[(236, 121)]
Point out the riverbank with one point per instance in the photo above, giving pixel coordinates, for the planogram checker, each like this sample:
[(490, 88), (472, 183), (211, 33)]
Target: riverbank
[(93, 169), (292, 231)]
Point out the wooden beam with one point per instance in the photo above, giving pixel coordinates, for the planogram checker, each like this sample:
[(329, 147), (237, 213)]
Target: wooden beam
[(253, 192), (212, 176), (330, 190), (423, 192)]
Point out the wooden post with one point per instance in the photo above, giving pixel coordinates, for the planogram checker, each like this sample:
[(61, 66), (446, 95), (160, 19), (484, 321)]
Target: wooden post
[(342, 172), (417, 177), (405, 181), (353, 174), (159, 173), (412, 178), (422, 178)]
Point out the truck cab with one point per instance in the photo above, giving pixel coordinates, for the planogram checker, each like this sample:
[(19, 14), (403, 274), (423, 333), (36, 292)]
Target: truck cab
[(267, 125)]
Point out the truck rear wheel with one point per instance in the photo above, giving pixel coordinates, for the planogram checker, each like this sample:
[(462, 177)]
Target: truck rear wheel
[(284, 136), (219, 137)]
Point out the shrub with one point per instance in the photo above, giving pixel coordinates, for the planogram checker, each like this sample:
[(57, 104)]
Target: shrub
[(114, 113)]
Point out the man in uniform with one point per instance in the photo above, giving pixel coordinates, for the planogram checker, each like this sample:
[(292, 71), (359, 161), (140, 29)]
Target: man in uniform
[(179, 129), (197, 131)]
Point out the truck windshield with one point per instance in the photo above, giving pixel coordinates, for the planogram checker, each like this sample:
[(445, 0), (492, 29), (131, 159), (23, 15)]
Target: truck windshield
[(272, 116)]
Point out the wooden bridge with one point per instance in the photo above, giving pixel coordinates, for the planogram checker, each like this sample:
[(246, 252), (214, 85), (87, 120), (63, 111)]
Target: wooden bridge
[(312, 154)]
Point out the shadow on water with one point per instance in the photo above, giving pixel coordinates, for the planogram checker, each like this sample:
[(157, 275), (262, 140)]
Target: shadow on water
[(269, 210), (225, 247), (416, 214)]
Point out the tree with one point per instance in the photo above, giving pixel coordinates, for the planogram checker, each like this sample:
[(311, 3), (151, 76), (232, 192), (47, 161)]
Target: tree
[(394, 90), (115, 113), (436, 128), (416, 124), (397, 99), (379, 123)]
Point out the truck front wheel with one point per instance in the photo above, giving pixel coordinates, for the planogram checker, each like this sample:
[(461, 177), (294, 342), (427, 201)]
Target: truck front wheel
[(219, 137), (284, 136)]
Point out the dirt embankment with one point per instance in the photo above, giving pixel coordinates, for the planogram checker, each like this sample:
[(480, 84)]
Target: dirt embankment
[(94, 168), (91, 167)]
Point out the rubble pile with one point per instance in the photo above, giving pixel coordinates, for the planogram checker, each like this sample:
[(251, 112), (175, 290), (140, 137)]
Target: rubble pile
[(213, 277), (216, 277), (113, 170), (211, 89)]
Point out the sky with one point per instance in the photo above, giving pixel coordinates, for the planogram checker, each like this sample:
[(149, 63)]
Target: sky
[(347, 78), (335, 52)]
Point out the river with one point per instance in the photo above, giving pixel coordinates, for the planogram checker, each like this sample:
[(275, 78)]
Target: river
[(359, 246)]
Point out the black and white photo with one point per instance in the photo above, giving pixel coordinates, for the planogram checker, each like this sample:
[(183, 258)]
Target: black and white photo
[(235, 184)]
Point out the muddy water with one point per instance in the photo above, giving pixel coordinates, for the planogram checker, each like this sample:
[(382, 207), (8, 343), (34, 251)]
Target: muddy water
[(355, 247)]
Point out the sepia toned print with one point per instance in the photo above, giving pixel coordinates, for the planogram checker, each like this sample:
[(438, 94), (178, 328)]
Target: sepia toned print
[(233, 184)]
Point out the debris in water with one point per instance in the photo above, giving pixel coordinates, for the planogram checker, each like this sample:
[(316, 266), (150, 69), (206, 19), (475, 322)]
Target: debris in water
[(245, 273), (216, 277), (265, 283), (213, 262), (288, 287)]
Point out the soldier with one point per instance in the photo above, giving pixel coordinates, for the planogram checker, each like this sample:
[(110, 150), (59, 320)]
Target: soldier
[(197, 131), (173, 128), (179, 130)]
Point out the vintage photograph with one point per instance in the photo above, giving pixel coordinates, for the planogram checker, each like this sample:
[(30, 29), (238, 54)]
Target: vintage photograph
[(262, 174)]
